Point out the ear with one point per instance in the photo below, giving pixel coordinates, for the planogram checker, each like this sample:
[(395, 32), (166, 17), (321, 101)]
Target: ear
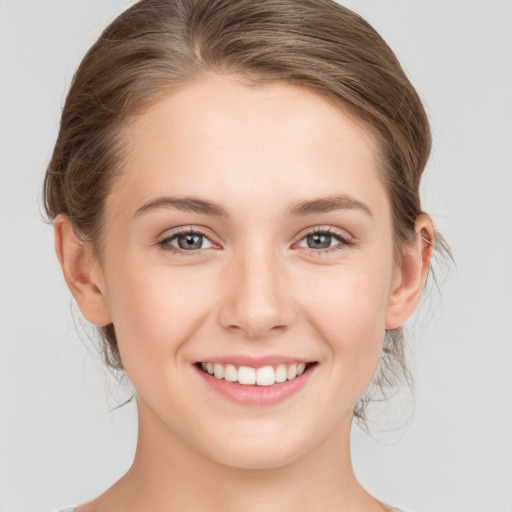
[(411, 274), (82, 272)]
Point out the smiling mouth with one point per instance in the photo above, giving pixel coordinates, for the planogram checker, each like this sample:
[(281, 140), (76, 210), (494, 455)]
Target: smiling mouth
[(249, 376)]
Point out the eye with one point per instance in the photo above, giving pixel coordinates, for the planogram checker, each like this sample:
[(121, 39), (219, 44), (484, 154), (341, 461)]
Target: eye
[(186, 241), (324, 240)]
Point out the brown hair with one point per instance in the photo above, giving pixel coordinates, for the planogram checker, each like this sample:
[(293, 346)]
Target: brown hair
[(157, 46)]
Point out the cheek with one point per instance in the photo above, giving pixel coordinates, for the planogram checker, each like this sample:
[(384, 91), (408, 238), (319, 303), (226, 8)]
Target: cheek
[(157, 309), (350, 316), (352, 301)]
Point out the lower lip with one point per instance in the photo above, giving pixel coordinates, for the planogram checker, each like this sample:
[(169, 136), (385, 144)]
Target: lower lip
[(257, 395)]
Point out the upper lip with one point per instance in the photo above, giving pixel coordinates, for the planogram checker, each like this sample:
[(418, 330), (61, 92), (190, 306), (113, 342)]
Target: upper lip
[(255, 362)]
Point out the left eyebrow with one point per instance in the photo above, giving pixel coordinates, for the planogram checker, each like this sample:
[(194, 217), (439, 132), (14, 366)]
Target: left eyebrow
[(186, 204), (328, 204)]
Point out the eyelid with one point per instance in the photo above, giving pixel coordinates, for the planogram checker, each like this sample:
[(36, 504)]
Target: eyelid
[(340, 233)]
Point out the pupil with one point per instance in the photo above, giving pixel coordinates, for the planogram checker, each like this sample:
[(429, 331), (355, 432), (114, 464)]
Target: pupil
[(190, 241), (319, 241)]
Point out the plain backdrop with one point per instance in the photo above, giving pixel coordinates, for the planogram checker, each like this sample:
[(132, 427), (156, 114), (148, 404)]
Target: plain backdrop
[(61, 442)]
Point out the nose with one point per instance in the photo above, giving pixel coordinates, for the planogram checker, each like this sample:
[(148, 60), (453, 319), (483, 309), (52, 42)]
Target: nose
[(256, 300)]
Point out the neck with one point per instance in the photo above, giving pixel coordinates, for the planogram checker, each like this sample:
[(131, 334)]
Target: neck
[(168, 475)]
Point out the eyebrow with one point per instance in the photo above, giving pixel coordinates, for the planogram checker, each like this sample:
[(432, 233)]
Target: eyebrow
[(300, 208), (186, 204), (328, 204)]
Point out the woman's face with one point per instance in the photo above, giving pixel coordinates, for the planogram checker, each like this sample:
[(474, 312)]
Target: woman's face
[(249, 229)]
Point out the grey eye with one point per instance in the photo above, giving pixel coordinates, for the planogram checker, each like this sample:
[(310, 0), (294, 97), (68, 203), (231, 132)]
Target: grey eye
[(319, 240), (188, 241)]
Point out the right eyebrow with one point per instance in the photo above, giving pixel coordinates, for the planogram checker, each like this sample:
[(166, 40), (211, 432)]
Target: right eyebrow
[(328, 204), (186, 204)]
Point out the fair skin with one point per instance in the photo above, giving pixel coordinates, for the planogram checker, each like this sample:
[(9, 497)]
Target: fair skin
[(255, 287)]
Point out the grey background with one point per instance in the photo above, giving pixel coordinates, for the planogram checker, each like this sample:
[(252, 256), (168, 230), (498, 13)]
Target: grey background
[(61, 444)]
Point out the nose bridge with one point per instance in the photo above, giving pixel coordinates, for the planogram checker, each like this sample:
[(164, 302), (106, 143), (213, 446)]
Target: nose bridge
[(256, 301)]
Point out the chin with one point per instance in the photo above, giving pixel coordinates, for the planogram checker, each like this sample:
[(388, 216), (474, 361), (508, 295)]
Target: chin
[(259, 449), (256, 459)]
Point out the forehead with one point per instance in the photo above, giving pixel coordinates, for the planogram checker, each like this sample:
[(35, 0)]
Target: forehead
[(223, 104), (221, 136)]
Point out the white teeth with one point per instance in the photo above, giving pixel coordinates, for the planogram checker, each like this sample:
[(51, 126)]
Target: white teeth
[(218, 371), (246, 375), (292, 372), (264, 376), (281, 373), (230, 373)]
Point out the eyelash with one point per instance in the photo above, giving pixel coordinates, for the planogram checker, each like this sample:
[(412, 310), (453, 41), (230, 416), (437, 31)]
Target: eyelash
[(344, 241), (164, 244)]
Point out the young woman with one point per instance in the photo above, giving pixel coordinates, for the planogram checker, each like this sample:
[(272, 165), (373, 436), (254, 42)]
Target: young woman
[(235, 197)]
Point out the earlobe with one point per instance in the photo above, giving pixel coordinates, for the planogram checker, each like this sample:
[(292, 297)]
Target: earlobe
[(81, 271), (412, 274)]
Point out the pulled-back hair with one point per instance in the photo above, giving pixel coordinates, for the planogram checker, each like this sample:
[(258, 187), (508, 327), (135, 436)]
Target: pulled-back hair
[(160, 46)]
